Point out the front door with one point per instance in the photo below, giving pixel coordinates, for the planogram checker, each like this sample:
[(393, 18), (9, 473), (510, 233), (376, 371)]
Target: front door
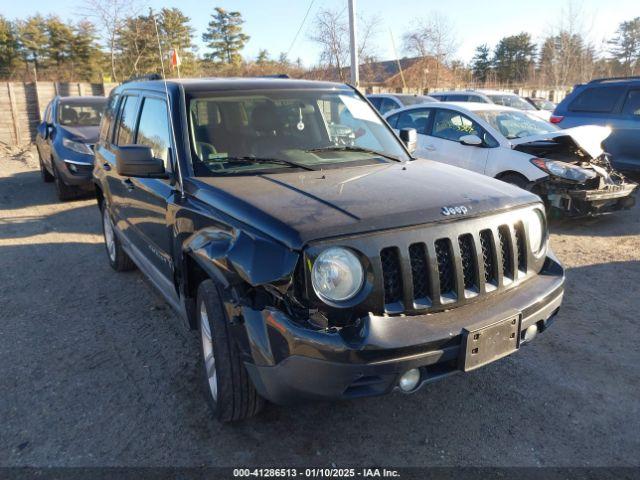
[(443, 142), (148, 198)]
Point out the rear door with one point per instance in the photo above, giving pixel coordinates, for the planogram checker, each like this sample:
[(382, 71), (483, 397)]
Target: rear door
[(624, 142), (123, 134), (443, 140), (147, 198)]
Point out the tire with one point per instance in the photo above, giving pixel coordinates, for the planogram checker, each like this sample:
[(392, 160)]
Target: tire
[(118, 258), (229, 389), (515, 179), (44, 173), (64, 191)]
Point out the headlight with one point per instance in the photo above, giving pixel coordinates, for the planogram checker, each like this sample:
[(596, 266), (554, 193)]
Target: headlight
[(337, 275), (563, 170), (537, 231), (76, 146)]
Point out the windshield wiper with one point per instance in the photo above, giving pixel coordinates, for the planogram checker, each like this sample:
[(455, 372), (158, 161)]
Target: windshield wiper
[(280, 161), (347, 148)]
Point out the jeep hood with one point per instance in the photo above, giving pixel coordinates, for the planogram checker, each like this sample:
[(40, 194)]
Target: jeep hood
[(299, 207), (588, 138)]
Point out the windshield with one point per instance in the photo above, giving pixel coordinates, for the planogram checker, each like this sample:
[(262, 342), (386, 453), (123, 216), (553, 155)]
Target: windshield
[(513, 124), (511, 101), (543, 104), (81, 114), (236, 133)]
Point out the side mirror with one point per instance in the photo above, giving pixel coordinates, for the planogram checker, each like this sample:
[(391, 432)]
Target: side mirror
[(471, 140), (138, 161), (43, 130), (409, 137)]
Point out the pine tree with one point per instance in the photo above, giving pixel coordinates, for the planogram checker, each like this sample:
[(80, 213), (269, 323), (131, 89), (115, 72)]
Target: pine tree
[(481, 63), (32, 40), (263, 57), (8, 45), (514, 57), (59, 40), (224, 36), (625, 46)]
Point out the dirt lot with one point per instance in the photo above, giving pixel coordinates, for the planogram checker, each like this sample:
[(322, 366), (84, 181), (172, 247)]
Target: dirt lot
[(95, 370)]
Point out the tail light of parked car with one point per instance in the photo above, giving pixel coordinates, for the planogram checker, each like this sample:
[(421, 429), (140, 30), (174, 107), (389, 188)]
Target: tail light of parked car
[(556, 118)]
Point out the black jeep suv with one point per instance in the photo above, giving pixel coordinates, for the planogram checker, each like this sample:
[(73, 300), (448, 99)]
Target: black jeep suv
[(286, 222)]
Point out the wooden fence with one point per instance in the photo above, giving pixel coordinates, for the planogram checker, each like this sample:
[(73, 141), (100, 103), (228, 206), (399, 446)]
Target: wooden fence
[(23, 104)]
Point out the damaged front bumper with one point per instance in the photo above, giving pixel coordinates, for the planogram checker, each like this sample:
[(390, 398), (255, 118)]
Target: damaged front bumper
[(571, 200), (289, 362)]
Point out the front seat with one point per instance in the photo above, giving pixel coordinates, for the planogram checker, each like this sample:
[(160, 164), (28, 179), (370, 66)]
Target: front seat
[(265, 122), (68, 116)]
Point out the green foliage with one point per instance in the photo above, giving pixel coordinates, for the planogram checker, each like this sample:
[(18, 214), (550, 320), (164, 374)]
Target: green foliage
[(481, 63), (625, 46), (224, 37), (514, 57), (8, 45), (32, 38)]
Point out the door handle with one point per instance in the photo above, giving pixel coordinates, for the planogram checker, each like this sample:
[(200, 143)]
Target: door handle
[(429, 147), (106, 166), (129, 184)]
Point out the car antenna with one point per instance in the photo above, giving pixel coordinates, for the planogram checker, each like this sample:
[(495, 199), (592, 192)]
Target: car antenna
[(166, 92)]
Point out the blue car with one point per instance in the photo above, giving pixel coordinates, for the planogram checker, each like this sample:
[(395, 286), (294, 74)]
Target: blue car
[(613, 102), (65, 141)]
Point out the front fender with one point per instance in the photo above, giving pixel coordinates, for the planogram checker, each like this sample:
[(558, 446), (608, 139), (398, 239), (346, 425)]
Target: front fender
[(238, 255)]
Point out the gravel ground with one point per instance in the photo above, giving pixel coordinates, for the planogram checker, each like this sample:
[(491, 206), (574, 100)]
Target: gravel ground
[(95, 370)]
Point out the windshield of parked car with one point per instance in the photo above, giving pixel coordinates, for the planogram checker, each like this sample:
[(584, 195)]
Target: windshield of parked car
[(78, 114), (543, 104), (239, 132), (513, 101), (514, 124)]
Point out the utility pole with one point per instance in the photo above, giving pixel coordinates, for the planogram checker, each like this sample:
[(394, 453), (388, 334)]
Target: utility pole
[(353, 44)]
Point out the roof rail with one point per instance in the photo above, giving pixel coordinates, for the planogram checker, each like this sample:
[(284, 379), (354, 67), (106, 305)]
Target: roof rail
[(614, 79), (142, 78)]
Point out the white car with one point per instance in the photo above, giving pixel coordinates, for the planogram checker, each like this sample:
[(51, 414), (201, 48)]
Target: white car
[(506, 99), (568, 168), (385, 102)]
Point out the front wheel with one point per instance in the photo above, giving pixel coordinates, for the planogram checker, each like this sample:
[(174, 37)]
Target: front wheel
[(229, 389), (64, 191), (44, 173), (118, 258), (515, 179)]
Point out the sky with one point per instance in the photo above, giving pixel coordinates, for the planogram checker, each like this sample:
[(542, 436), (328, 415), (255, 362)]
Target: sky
[(272, 24)]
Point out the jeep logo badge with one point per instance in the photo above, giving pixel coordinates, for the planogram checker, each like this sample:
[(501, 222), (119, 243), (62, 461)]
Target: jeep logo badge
[(458, 210)]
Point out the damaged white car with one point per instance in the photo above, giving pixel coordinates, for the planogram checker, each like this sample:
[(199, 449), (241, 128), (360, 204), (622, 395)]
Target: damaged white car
[(567, 168)]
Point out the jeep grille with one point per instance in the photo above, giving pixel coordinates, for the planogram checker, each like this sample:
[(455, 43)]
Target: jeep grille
[(446, 271)]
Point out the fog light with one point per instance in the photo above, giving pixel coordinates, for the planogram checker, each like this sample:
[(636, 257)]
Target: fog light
[(409, 380), (530, 333)]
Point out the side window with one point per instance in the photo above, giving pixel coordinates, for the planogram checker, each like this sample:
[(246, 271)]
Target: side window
[(376, 101), (387, 105), (458, 98), (153, 128), (597, 99), (418, 119), (107, 118), (393, 120), (476, 98), (632, 103), (452, 125), (127, 120), (47, 114)]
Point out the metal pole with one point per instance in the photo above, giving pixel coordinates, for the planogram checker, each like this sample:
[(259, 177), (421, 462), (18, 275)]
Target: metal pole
[(355, 76)]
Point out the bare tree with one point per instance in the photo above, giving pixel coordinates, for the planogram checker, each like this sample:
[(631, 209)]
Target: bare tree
[(111, 16), (331, 31), (432, 38), (567, 56)]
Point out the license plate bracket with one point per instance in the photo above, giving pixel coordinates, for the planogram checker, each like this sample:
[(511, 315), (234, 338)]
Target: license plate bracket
[(489, 343)]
